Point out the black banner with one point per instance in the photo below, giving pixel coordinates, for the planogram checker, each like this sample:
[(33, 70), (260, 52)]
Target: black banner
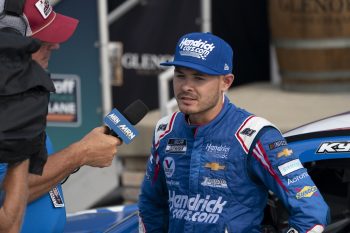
[(141, 39)]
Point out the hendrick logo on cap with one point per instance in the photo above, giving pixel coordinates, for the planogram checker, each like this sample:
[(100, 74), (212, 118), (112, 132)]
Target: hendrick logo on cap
[(195, 48), (44, 8)]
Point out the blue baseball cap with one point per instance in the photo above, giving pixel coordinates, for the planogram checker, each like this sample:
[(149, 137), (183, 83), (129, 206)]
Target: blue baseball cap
[(203, 52)]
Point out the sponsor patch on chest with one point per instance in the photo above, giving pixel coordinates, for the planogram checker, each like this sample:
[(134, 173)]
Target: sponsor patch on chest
[(217, 151), (169, 166), (214, 183), (176, 146)]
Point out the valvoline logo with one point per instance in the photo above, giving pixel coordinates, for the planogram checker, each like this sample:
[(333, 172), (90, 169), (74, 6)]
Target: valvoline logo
[(169, 166), (121, 126)]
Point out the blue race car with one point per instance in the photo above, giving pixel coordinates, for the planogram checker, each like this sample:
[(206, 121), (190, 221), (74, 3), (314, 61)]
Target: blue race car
[(324, 149)]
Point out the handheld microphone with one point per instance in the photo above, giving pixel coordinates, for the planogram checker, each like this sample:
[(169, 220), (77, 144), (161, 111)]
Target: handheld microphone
[(121, 125)]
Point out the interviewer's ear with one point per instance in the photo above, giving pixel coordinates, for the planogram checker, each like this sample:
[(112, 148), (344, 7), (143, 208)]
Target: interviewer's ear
[(227, 81)]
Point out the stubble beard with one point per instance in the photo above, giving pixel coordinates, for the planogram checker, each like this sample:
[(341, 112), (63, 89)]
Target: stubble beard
[(201, 107)]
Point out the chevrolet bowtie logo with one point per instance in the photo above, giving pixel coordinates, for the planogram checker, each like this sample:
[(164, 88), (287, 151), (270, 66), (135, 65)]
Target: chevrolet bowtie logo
[(286, 152), (214, 166)]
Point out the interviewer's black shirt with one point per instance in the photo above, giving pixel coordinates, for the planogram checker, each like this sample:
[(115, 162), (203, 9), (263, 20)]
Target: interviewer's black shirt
[(24, 95)]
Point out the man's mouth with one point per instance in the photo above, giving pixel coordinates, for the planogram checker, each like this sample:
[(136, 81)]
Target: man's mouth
[(187, 100)]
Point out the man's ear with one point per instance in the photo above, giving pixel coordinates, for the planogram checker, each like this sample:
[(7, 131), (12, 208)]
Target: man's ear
[(227, 81)]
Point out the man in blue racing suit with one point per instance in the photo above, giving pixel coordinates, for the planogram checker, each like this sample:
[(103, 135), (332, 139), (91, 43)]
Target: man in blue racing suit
[(212, 163)]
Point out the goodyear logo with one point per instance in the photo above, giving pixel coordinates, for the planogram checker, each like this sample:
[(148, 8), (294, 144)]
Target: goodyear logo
[(214, 166), (290, 166), (307, 191)]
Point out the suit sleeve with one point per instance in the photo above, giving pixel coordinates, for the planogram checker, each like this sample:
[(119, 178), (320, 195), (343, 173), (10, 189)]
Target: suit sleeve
[(3, 171), (281, 171), (153, 199)]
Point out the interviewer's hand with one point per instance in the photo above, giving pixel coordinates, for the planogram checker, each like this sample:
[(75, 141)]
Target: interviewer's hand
[(97, 149)]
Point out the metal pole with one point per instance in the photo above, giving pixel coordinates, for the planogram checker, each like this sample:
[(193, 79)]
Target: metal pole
[(163, 90), (121, 10), (104, 57), (206, 15)]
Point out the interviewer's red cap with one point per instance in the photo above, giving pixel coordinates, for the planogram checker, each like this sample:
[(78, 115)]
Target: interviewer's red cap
[(47, 25)]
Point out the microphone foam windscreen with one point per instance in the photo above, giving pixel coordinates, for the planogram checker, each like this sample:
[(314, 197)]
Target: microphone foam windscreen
[(135, 112)]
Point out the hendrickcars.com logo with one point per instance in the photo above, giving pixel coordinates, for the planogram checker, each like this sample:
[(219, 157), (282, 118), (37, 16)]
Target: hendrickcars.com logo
[(196, 209)]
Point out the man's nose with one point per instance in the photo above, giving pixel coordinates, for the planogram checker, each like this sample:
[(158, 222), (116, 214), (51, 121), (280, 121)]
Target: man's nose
[(187, 84), (54, 46)]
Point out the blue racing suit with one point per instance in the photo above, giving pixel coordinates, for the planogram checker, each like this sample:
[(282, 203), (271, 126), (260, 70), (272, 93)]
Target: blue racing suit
[(201, 178)]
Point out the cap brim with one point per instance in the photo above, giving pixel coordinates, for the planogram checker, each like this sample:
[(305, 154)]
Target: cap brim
[(60, 30), (193, 66)]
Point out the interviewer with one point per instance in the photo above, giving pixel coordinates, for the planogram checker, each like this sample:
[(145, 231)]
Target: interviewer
[(46, 213)]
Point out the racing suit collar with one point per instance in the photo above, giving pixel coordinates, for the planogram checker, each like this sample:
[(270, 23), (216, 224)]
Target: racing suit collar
[(218, 118)]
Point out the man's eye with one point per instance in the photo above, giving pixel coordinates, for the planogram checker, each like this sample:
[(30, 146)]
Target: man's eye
[(199, 78), (179, 76)]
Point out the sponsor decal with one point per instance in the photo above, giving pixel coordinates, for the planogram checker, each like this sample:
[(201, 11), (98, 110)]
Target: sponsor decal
[(215, 183), (195, 48), (297, 178), (196, 209), (290, 166), (292, 230), (277, 144), (162, 127), (214, 166), (173, 183), (64, 109), (286, 152), (44, 8), (147, 176), (307, 191), (226, 67), (152, 158), (217, 151), (248, 132), (333, 147), (56, 198), (169, 166), (316, 229), (177, 146)]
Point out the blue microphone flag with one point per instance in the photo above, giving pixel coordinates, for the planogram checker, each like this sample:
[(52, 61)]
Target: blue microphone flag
[(121, 126)]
